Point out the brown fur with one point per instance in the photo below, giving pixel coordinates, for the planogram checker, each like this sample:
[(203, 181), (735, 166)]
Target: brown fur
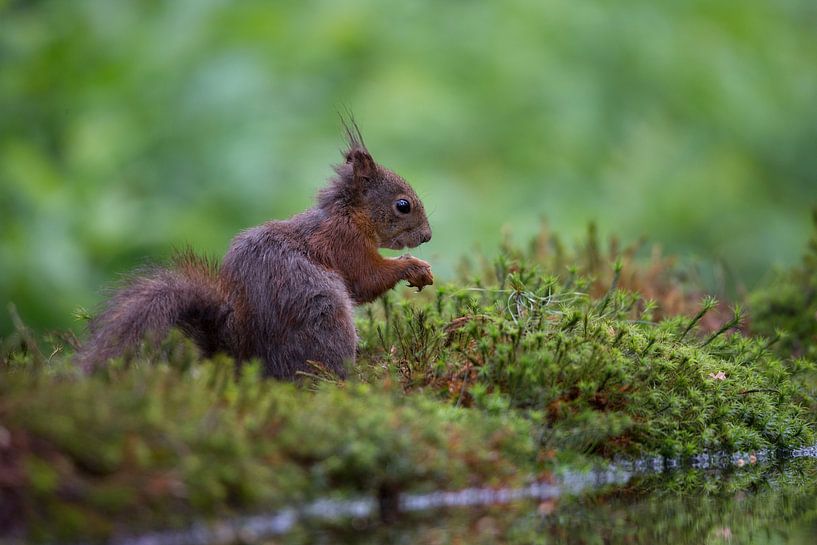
[(285, 290)]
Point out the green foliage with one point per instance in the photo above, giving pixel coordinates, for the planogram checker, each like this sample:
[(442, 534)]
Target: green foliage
[(154, 444), (594, 375), (131, 127), (786, 309), (480, 382)]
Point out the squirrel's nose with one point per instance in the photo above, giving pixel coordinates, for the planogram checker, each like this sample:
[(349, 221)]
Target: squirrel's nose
[(427, 236)]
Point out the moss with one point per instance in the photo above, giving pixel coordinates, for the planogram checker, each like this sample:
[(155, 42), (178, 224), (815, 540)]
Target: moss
[(592, 375), (478, 382), (158, 444)]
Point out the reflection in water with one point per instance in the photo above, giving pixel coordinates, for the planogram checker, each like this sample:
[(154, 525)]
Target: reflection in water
[(750, 505), (741, 498)]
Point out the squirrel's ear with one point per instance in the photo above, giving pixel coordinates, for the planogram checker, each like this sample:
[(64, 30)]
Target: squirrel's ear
[(362, 164)]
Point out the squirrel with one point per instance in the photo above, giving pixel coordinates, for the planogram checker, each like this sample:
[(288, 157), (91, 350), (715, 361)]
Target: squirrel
[(285, 290)]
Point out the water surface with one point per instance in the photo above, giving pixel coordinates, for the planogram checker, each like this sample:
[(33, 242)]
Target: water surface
[(742, 498)]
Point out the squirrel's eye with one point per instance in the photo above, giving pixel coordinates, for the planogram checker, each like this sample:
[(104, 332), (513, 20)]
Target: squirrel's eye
[(403, 206)]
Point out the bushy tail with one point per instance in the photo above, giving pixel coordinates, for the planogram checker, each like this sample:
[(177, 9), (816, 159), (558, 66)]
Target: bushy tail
[(186, 295)]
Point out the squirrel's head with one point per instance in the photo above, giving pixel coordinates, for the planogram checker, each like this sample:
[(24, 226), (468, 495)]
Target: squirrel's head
[(380, 201)]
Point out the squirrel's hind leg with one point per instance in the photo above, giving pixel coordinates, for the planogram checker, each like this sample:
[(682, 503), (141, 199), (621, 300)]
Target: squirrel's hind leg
[(286, 309), (328, 339), (314, 322)]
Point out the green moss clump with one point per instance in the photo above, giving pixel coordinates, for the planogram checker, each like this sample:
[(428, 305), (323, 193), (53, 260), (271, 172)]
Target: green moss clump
[(594, 375), (157, 444)]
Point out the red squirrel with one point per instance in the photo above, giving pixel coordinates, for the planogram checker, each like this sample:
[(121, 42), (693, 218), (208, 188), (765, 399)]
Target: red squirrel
[(285, 290)]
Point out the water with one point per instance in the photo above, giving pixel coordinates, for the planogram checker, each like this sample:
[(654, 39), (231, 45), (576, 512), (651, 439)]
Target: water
[(740, 498)]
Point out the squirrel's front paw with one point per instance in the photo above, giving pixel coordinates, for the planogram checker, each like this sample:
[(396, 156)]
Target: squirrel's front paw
[(418, 273)]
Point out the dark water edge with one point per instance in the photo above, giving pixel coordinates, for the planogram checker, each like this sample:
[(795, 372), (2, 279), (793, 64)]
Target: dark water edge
[(750, 498)]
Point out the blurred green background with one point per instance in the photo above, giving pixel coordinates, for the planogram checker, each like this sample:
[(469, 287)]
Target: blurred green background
[(131, 127)]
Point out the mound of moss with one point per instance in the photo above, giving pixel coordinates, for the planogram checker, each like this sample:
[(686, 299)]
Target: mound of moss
[(158, 444), (479, 382), (593, 375)]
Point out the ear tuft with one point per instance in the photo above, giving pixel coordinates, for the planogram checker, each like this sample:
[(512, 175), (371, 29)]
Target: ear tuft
[(356, 154), (363, 165)]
